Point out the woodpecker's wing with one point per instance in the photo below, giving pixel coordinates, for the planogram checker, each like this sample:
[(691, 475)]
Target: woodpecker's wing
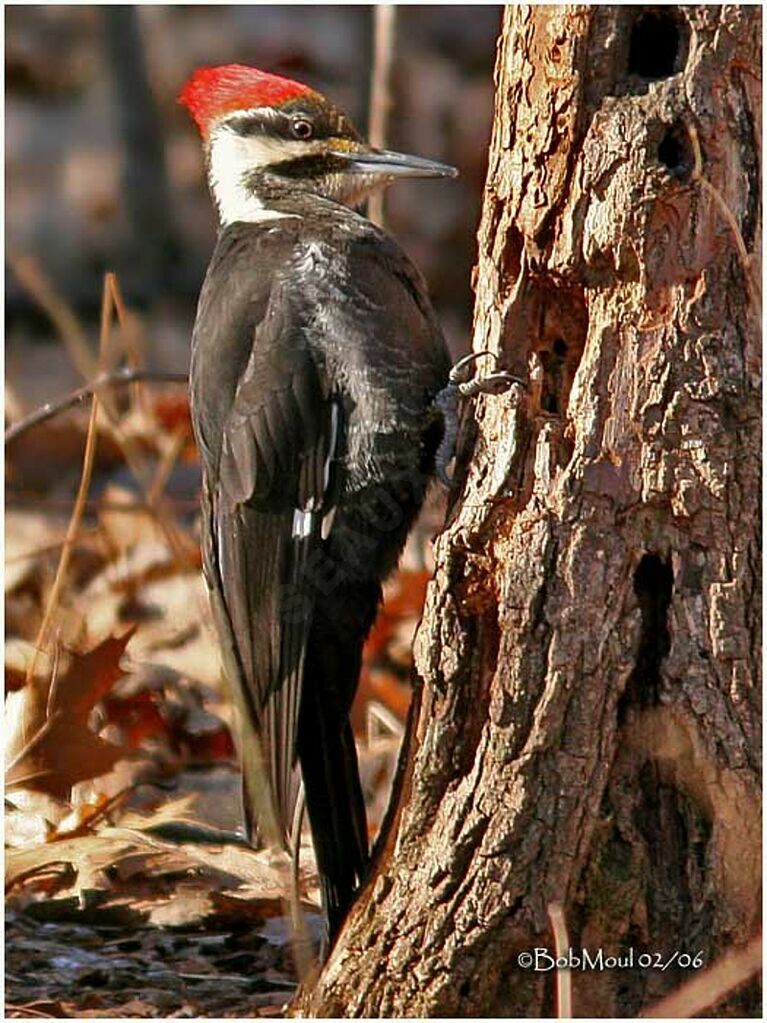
[(278, 478), (270, 445)]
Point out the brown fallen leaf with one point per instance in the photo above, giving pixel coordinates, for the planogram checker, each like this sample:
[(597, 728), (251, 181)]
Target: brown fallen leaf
[(19, 655), (86, 859), (43, 1008), (29, 538), (171, 409), (50, 746), (128, 872)]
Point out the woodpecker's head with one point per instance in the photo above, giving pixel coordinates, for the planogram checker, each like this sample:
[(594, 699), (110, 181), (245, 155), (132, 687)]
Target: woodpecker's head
[(259, 127)]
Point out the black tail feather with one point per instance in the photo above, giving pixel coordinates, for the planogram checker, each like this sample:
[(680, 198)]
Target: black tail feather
[(332, 789)]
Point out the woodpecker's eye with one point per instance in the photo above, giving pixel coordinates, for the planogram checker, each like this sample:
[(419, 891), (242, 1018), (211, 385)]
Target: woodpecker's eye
[(302, 128)]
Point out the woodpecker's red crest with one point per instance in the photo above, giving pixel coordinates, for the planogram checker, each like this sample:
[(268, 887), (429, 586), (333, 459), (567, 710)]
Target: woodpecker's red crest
[(214, 91)]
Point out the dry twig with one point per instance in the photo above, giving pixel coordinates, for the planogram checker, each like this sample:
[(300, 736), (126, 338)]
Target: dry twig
[(117, 378), (709, 987), (69, 541), (30, 275), (561, 946)]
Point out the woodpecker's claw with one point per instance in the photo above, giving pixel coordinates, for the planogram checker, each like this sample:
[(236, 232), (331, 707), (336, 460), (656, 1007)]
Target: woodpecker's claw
[(461, 371), (494, 383), (462, 385)]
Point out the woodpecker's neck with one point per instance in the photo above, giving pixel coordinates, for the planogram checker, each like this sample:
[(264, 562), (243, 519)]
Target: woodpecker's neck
[(244, 180)]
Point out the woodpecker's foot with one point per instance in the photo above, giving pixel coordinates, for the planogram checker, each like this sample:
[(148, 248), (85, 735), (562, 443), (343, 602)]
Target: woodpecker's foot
[(462, 385)]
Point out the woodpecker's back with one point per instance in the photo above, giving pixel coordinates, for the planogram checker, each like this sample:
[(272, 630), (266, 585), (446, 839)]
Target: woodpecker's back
[(316, 360)]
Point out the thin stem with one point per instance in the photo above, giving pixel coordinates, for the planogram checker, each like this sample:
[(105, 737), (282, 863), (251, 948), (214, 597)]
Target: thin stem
[(117, 378), (710, 986), (384, 25), (561, 945), (31, 277), (69, 539)]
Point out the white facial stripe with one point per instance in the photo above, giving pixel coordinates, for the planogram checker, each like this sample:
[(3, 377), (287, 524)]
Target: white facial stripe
[(231, 157)]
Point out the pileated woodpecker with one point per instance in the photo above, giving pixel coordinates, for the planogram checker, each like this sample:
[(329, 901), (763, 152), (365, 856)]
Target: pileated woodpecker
[(316, 361)]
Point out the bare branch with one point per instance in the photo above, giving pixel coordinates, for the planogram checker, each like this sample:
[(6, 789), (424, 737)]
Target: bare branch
[(117, 378)]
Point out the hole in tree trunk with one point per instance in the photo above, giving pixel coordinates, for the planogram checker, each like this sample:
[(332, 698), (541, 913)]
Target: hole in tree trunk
[(556, 385), (675, 151), (657, 44), (654, 587), (559, 326)]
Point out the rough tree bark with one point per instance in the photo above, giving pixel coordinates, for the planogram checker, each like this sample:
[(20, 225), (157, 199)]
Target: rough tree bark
[(586, 729)]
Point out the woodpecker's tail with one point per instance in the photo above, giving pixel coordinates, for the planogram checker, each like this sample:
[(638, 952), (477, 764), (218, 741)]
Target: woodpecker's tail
[(326, 749)]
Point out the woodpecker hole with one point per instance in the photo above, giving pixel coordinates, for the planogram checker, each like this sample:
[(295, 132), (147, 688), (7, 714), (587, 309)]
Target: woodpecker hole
[(675, 152), (656, 45), (549, 396), (654, 587), (511, 257), (557, 325), (464, 989), (556, 373)]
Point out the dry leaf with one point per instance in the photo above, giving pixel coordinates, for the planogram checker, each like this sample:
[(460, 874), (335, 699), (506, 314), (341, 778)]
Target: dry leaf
[(171, 410), (29, 537), (169, 883), (41, 1008), (50, 746), (19, 655)]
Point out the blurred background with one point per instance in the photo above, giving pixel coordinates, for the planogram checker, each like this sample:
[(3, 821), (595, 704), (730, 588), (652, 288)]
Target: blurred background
[(116, 715)]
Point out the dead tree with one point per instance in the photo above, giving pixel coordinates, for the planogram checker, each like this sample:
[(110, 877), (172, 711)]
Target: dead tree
[(586, 728)]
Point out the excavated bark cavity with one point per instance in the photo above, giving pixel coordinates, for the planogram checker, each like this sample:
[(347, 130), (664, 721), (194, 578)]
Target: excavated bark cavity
[(658, 44), (511, 258), (654, 587), (478, 606), (675, 151), (563, 325)]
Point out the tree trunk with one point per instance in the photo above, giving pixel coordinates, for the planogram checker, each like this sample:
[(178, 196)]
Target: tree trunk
[(587, 728), (152, 249)]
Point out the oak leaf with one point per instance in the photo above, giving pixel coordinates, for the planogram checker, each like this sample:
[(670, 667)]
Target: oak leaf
[(51, 747)]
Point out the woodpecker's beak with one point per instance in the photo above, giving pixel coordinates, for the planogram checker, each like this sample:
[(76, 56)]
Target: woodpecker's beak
[(389, 164)]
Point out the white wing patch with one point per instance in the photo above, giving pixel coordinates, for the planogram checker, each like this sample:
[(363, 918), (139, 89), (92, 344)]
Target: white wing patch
[(302, 524), (303, 518)]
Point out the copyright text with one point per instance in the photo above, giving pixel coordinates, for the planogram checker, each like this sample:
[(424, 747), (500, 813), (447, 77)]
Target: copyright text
[(540, 960)]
